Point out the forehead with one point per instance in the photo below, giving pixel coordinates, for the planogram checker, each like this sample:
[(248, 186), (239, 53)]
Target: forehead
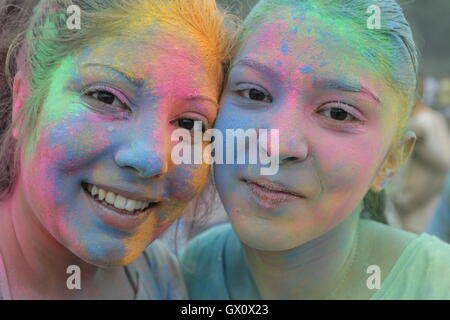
[(153, 56), (310, 42)]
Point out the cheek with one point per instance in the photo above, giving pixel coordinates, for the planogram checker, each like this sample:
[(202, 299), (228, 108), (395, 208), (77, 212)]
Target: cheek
[(347, 168), (61, 150), (75, 140), (185, 182)]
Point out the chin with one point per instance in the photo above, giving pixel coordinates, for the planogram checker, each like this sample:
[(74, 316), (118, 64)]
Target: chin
[(261, 243), (269, 236), (106, 254)]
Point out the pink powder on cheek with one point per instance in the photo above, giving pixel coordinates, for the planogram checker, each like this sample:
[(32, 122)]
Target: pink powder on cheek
[(60, 149), (350, 164)]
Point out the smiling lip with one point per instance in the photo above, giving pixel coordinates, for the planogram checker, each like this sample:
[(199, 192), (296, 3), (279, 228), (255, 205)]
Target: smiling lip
[(116, 218), (269, 194)]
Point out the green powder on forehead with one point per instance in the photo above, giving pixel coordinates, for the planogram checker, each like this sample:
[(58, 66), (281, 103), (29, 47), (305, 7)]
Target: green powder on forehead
[(388, 52)]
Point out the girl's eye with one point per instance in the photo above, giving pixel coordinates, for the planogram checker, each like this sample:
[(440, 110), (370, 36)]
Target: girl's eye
[(338, 114), (342, 112), (104, 97), (255, 95), (108, 98), (190, 124), (106, 102)]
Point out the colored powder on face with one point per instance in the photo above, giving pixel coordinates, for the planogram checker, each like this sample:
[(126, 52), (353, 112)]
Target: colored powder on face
[(170, 20), (328, 29), (284, 49), (60, 76), (306, 70)]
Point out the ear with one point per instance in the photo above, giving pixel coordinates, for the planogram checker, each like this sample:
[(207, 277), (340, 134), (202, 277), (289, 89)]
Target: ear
[(20, 95), (396, 157)]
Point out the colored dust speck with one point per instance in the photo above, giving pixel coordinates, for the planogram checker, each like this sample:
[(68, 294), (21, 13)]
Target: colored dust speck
[(306, 70), (284, 49)]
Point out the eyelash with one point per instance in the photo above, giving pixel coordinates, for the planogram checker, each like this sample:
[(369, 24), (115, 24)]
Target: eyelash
[(115, 93), (349, 109), (205, 126), (123, 100), (248, 87)]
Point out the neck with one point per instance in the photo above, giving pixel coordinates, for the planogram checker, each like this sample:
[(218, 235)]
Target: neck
[(36, 263), (313, 270)]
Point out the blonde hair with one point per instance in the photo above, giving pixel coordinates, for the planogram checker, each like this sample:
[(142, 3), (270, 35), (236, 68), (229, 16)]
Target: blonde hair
[(45, 39)]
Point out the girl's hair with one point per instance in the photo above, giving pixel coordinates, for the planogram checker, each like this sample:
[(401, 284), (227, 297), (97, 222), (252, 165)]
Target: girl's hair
[(391, 49), (34, 37)]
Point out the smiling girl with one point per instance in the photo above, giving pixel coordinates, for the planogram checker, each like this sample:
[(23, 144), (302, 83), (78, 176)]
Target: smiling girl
[(340, 95), (86, 177)]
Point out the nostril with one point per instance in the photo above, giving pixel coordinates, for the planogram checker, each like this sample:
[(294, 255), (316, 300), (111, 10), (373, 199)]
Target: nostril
[(290, 159)]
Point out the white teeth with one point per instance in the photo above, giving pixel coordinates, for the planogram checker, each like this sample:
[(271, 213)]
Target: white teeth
[(94, 191), (110, 198), (131, 205), (120, 202), (101, 194)]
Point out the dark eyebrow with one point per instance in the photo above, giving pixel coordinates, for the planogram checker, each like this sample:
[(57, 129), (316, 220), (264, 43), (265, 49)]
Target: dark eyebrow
[(204, 98), (344, 86), (260, 67), (137, 82)]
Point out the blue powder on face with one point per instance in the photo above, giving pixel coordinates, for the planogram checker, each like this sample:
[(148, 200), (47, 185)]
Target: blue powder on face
[(279, 63), (306, 70), (323, 64), (284, 49)]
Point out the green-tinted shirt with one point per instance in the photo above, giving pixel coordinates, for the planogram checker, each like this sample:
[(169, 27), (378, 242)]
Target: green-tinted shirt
[(214, 267)]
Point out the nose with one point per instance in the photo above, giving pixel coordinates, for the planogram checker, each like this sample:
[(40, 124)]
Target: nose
[(293, 146), (293, 150), (145, 154)]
